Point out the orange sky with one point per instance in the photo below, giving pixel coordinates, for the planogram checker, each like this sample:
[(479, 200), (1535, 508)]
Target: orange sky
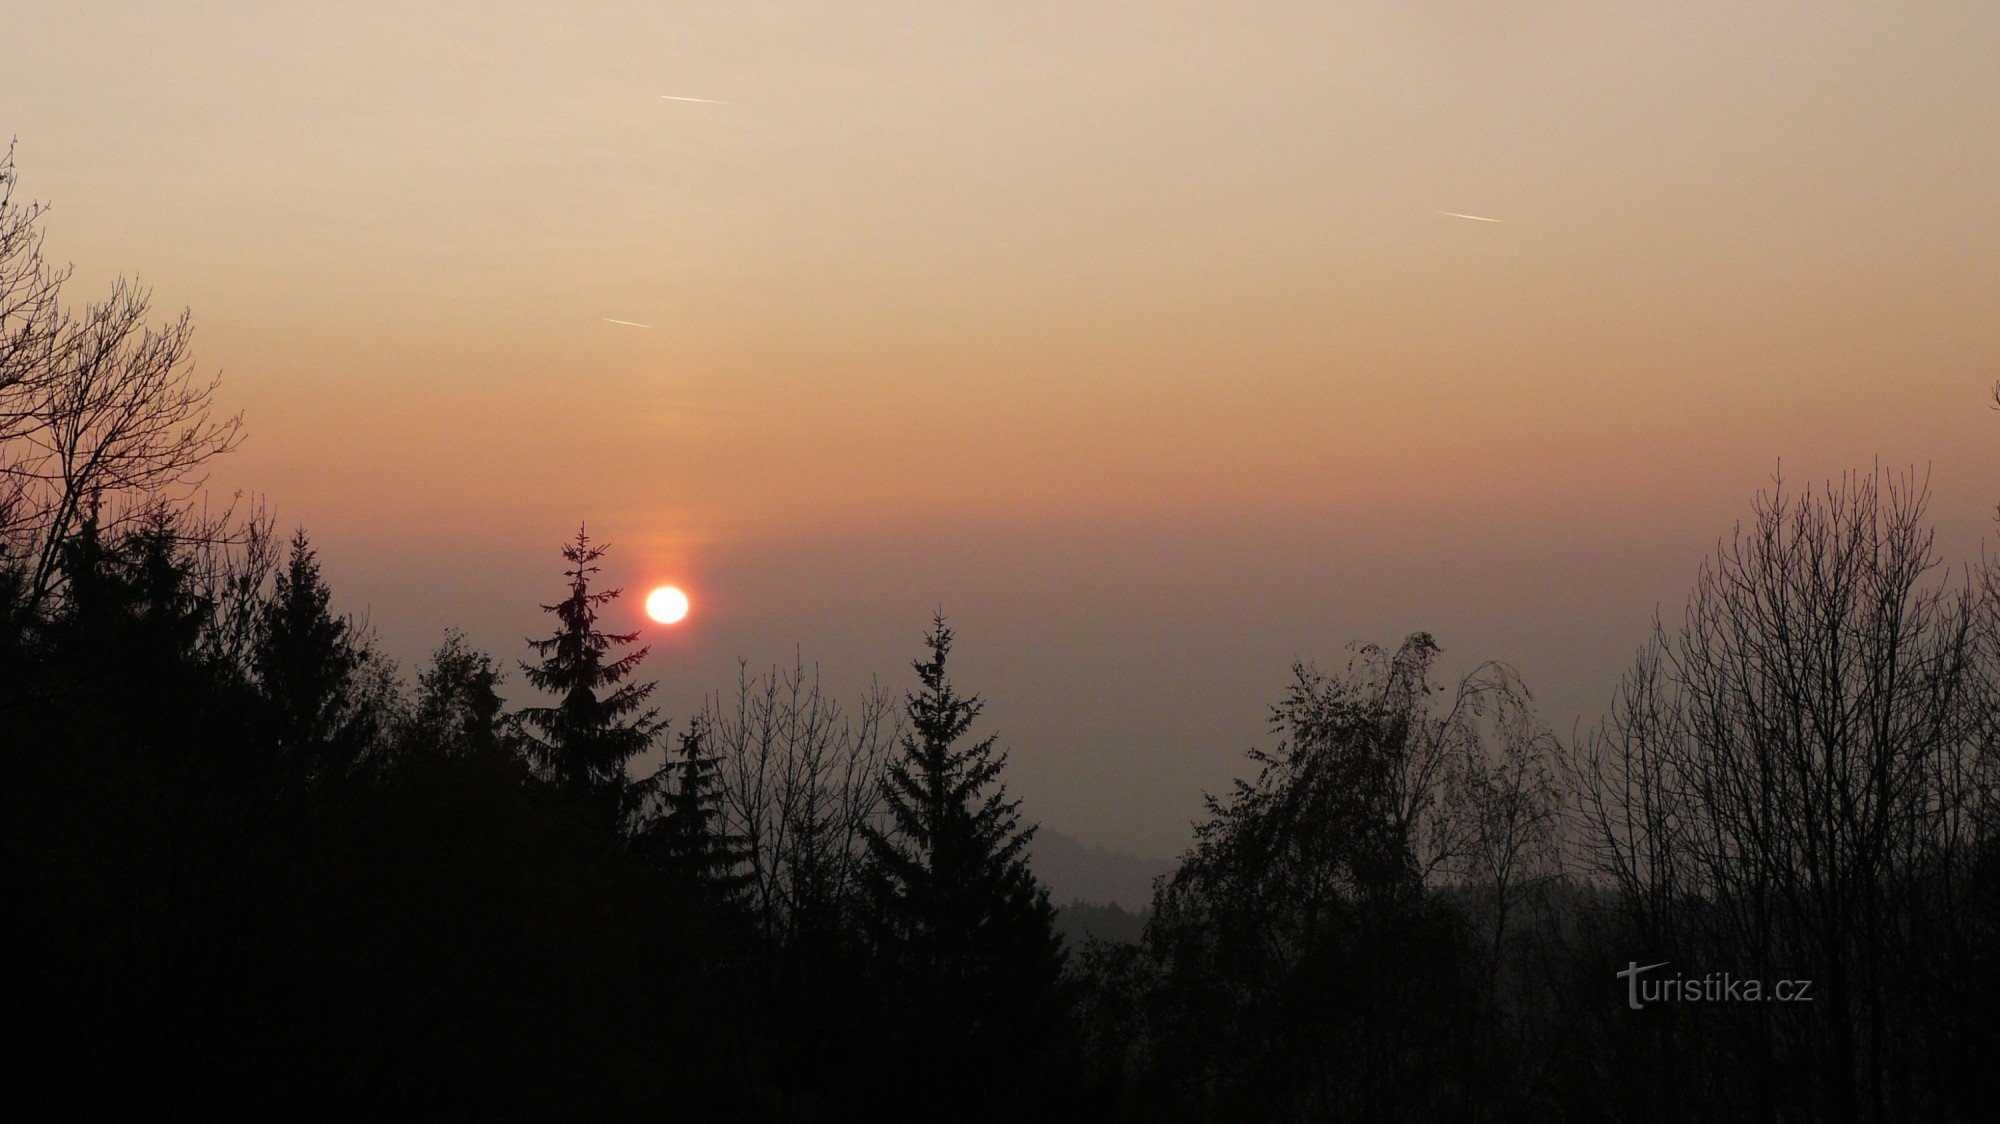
[(1133, 336)]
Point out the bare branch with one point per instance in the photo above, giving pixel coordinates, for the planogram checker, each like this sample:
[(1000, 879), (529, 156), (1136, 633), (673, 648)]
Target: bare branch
[(98, 411)]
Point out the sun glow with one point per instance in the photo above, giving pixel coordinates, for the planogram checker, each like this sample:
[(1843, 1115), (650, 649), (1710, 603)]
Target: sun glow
[(667, 605)]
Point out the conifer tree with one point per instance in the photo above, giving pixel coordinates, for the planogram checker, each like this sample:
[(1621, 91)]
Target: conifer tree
[(94, 595), (13, 625), (458, 708), (125, 646), (168, 618), (132, 600), (306, 662), (965, 928), (599, 721), (692, 838), (171, 612)]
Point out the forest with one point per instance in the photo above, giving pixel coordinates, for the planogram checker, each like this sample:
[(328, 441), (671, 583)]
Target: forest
[(254, 867)]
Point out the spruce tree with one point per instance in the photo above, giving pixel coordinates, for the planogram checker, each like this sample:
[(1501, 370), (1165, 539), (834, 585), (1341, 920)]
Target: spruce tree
[(132, 599), (168, 617), (966, 931), (125, 645), (93, 593), (306, 662), (692, 838), (458, 708), (599, 721), (171, 612), (13, 620)]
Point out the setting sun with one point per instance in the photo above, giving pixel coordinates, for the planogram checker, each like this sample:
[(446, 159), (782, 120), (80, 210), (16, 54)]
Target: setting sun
[(667, 605)]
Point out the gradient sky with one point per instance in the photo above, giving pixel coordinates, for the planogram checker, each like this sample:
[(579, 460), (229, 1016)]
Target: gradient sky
[(1131, 334)]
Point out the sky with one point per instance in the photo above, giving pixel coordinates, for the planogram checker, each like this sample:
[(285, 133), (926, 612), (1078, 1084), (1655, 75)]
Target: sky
[(1136, 337)]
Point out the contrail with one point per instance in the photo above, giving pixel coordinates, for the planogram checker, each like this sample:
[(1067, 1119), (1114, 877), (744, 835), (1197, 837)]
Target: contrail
[(627, 323), (1474, 218), (704, 101)]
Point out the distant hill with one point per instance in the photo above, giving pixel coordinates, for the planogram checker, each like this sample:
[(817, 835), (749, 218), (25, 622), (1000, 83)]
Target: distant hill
[(1080, 921), (1075, 870)]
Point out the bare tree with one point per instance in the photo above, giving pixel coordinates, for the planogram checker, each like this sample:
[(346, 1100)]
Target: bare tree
[(800, 778), (28, 320), (1790, 781), (235, 556), (101, 415), (1503, 795)]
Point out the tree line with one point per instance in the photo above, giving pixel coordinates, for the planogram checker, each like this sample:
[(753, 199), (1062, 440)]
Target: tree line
[(251, 866)]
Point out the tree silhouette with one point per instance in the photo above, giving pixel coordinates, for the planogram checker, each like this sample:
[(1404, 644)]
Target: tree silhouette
[(172, 612), (966, 931), (691, 838), (1797, 782), (307, 663), (801, 777), (101, 416), (1303, 970), (600, 721), (87, 566), (130, 627), (458, 710)]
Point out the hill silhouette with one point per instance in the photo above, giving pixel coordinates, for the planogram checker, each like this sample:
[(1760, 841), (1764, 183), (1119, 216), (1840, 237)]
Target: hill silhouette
[(1075, 870)]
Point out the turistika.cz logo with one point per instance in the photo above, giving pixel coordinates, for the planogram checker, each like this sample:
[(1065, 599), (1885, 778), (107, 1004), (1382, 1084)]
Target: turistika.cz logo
[(1715, 987)]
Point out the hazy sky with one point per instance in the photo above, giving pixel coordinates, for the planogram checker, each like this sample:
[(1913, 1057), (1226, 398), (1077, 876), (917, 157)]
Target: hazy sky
[(1131, 334)]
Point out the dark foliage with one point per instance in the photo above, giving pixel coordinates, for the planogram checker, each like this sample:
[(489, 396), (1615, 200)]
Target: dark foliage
[(1295, 966), (966, 934), (307, 663), (599, 722), (458, 711), (689, 838)]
